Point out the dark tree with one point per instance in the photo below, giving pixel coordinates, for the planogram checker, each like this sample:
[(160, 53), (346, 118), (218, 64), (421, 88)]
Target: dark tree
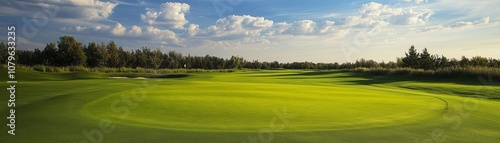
[(114, 56), (71, 52), (126, 58), (155, 58), (3, 53), (425, 61), (411, 59), (50, 55), (479, 61), (464, 62)]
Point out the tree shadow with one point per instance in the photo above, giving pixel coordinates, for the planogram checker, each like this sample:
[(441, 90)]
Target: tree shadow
[(367, 79), (353, 78), (311, 74)]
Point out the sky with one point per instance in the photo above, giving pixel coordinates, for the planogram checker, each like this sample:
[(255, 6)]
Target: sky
[(265, 30)]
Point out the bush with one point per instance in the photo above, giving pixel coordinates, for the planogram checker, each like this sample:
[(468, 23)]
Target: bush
[(450, 72), (44, 68), (78, 68)]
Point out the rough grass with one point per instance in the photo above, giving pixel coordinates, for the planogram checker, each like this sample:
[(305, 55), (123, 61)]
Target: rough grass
[(328, 106), (452, 72), (43, 68)]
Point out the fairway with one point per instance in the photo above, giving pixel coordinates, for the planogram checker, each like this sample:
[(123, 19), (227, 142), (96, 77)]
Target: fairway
[(268, 106)]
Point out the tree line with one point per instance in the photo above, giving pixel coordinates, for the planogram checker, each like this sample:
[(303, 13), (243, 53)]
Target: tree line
[(69, 52)]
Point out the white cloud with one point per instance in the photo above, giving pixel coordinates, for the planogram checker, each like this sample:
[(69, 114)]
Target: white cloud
[(161, 34), (149, 17), (118, 30), (148, 33), (70, 9), (193, 29), (303, 27), (84, 9), (457, 25), (135, 31), (373, 14), (415, 1), (326, 26), (236, 26), (171, 14), (87, 29), (380, 24)]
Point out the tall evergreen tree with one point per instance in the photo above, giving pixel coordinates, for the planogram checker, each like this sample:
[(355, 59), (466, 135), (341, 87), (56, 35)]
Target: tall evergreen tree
[(114, 56), (425, 61), (411, 59), (125, 58)]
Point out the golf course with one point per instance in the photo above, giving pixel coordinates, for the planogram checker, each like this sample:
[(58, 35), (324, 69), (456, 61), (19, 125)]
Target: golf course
[(252, 106)]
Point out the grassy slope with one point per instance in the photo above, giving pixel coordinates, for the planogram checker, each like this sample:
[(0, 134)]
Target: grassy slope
[(199, 108)]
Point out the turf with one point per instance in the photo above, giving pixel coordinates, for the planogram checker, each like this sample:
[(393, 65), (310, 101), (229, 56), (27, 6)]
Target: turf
[(253, 106)]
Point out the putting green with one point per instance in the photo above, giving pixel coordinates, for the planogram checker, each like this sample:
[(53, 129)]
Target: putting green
[(242, 107), (281, 106)]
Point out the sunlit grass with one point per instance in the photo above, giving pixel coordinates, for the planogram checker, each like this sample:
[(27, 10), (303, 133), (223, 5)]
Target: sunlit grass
[(324, 106)]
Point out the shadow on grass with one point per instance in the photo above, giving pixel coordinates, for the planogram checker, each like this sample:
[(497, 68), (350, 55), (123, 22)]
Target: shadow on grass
[(172, 76), (312, 74), (369, 79), (382, 79)]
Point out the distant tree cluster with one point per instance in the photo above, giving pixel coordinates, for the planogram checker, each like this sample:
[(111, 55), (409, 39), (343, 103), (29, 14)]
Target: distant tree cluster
[(69, 52), (426, 61)]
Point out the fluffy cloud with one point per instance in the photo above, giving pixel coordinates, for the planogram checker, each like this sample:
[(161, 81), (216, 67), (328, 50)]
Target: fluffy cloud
[(85, 9), (303, 27), (243, 30), (457, 25), (234, 26), (135, 31), (161, 34), (374, 15), (150, 33), (149, 17), (70, 9), (326, 26), (193, 29), (118, 30), (171, 14)]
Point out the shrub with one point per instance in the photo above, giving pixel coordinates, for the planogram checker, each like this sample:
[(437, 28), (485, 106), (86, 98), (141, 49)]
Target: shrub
[(450, 72)]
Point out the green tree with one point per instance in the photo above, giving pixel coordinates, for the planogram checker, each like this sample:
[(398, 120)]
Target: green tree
[(3, 53), (140, 59), (235, 62), (92, 54), (425, 60), (275, 65), (256, 64), (114, 56), (411, 59), (155, 58), (125, 58), (454, 62), (443, 62), (464, 62), (479, 61), (50, 55), (71, 52)]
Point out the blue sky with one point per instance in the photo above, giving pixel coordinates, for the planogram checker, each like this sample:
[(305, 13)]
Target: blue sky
[(266, 30)]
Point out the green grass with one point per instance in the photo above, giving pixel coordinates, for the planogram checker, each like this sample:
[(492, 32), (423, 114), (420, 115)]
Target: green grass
[(320, 106)]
